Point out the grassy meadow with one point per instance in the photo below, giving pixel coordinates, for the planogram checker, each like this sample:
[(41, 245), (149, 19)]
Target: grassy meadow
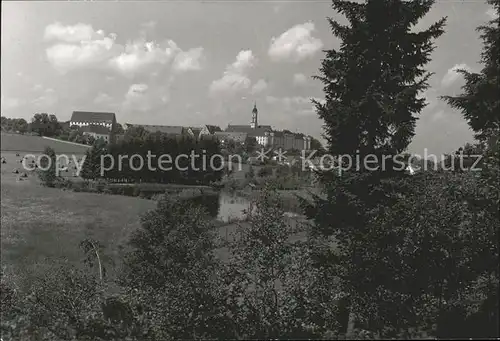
[(43, 226)]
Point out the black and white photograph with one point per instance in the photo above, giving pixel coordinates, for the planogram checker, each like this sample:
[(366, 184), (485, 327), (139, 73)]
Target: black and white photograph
[(250, 170)]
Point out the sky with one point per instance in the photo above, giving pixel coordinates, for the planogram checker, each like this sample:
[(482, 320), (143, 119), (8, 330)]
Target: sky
[(192, 63)]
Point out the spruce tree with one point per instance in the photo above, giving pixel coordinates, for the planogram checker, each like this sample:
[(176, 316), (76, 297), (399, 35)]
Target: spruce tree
[(372, 85), (480, 104), (480, 100)]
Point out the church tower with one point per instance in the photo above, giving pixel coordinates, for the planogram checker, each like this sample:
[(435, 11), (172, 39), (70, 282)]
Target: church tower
[(254, 123)]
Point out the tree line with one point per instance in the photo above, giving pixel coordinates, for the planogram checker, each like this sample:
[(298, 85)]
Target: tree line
[(172, 159), (384, 255)]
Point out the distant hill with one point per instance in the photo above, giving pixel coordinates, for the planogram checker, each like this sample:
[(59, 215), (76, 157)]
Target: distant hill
[(36, 144)]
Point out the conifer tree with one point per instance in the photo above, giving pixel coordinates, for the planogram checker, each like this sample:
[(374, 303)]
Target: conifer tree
[(372, 85), (480, 100)]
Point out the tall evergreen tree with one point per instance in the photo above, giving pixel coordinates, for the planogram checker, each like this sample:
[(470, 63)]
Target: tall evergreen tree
[(372, 85), (373, 80), (480, 102)]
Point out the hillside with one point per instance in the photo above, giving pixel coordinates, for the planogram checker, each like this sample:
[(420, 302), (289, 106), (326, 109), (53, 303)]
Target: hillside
[(36, 144)]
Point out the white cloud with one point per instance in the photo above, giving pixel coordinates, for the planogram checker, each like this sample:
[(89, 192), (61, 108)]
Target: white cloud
[(235, 77), (299, 79), (71, 33), (189, 60), (492, 13), (37, 87), (81, 46), (140, 54), (452, 75), (244, 61), (231, 82), (140, 97), (295, 44), (259, 86)]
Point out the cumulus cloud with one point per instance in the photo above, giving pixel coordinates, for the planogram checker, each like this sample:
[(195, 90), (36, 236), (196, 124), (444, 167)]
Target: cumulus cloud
[(296, 44), (140, 97), (235, 78), (81, 46), (140, 54), (259, 86), (452, 75), (299, 79), (189, 60), (71, 33)]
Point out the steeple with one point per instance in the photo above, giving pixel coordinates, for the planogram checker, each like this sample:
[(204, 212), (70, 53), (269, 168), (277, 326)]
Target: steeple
[(255, 112)]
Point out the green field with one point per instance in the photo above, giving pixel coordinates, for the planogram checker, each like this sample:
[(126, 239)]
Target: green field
[(41, 226), (36, 144)]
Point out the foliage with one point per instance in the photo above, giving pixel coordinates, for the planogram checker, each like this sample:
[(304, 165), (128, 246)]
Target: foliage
[(250, 174), (371, 86), (45, 125), (14, 124), (47, 170), (270, 279), (165, 159), (251, 145), (265, 171), (173, 269), (479, 101), (91, 168), (372, 81)]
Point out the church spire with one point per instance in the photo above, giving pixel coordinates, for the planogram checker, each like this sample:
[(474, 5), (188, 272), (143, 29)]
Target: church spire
[(255, 112)]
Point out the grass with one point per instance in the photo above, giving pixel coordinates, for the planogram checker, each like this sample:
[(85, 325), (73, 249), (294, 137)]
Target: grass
[(42, 226), (36, 144)]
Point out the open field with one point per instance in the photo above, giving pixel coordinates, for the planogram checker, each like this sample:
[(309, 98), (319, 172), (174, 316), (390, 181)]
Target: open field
[(36, 144), (43, 226)]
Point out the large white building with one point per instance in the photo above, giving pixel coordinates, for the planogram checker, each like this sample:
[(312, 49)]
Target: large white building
[(266, 136), (86, 118)]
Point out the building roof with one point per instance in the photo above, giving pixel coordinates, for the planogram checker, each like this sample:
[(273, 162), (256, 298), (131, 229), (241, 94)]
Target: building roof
[(237, 136), (213, 129), (174, 130), (196, 131), (259, 131), (96, 129), (89, 116)]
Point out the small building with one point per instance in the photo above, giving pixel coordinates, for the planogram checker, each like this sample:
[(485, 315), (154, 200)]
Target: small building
[(97, 132)]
